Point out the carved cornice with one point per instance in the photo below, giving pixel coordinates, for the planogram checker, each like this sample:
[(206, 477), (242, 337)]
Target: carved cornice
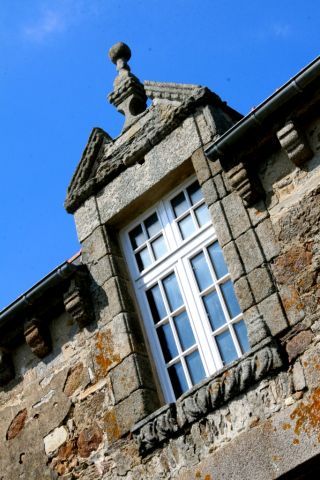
[(37, 336), (171, 420), (294, 143), (77, 301)]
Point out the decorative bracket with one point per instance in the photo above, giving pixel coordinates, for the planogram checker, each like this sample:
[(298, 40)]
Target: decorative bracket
[(294, 143), (6, 368), (37, 337), (77, 301), (241, 181)]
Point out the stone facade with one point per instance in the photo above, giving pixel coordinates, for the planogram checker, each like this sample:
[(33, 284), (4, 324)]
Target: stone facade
[(80, 397)]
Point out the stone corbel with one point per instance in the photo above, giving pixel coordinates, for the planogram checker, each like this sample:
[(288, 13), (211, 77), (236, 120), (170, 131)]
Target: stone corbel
[(294, 143), (77, 301), (37, 337), (6, 368), (241, 181)]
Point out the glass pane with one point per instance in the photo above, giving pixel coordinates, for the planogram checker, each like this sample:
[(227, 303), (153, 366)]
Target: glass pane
[(195, 367), (217, 260), (201, 271), (202, 214), (195, 193), (179, 204), (230, 299), (143, 259), (159, 247), (214, 310), (152, 225), (156, 303), (184, 330), (226, 347), (172, 291), (241, 331), (186, 227), (137, 237), (178, 379), (168, 345)]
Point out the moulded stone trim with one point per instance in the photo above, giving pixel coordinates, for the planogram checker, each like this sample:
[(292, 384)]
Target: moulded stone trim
[(211, 394), (294, 143)]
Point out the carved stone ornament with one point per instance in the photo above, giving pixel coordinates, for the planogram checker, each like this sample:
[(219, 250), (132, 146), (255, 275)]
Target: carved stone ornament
[(6, 368), (37, 337), (240, 181), (128, 95), (209, 396), (77, 301), (294, 143)]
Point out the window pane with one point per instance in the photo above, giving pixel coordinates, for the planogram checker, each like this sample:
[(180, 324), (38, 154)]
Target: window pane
[(202, 214), (214, 310), (241, 331), (179, 204), (230, 299), (186, 226), (201, 271), (195, 367), (226, 347), (152, 225), (168, 345), (143, 259), (137, 237), (159, 247), (217, 259), (195, 193), (156, 303), (184, 330), (172, 291), (178, 379)]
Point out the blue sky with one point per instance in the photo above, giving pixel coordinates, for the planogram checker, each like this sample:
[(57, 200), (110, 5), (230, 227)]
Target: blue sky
[(55, 75)]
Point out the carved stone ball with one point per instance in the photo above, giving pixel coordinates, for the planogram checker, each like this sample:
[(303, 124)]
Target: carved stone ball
[(119, 51)]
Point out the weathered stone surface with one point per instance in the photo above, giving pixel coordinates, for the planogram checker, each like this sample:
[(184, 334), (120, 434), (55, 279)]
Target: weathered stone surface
[(257, 212), (86, 219), (298, 344), (257, 328), (295, 143), (272, 313), (55, 439), (220, 224), (249, 250), (209, 192), (132, 373), (220, 186), (17, 424), (77, 377), (267, 239), (236, 215), (94, 246), (200, 165), (233, 260), (298, 377), (89, 440), (243, 293), (261, 283), (107, 267)]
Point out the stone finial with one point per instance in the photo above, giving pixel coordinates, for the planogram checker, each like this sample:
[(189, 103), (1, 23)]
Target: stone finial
[(128, 96)]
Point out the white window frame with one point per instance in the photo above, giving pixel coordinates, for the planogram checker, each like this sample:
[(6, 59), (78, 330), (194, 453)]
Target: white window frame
[(178, 259)]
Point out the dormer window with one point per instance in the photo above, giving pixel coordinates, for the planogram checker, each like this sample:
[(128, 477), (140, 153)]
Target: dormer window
[(186, 298)]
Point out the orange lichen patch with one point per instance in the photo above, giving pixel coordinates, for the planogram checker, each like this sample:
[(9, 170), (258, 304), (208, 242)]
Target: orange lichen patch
[(290, 299), (106, 355), (296, 441), (17, 424), (208, 477), (307, 416), (286, 426), (111, 428)]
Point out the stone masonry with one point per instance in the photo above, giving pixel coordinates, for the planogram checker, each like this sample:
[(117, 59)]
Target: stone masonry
[(79, 394)]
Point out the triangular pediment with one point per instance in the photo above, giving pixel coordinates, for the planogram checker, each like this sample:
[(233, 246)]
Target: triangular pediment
[(84, 176)]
